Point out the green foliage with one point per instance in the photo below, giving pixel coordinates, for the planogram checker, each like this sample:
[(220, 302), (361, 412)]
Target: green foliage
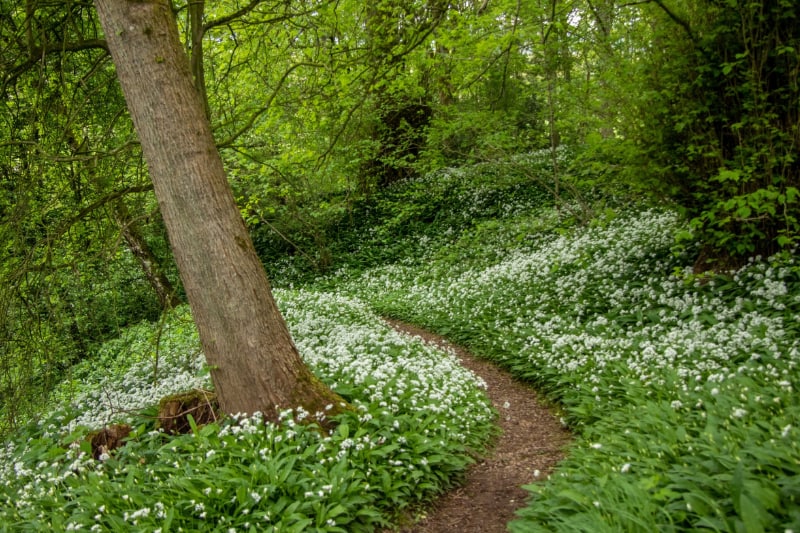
[(681, 388), (418, 417), (612, 169), (309, 108), (68, 170), (68, 314), (408, 218), (163, 347), (722, 117), (459, 137)]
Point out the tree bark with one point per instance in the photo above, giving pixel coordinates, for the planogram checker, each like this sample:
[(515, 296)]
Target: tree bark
[(165, 292), (196, 10), (255, 365)]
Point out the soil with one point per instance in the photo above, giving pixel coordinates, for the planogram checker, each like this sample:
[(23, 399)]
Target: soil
[(531, 444)]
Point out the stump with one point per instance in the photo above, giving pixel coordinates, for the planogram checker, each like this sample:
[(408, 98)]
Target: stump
[(174, 410)]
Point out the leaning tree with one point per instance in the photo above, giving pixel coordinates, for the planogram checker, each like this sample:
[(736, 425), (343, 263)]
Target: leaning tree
[(255, 365)]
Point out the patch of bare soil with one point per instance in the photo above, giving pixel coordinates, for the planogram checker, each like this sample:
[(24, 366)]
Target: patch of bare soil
[(531, 443)]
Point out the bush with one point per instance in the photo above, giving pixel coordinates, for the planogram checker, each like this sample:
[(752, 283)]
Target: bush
[(721, 118)]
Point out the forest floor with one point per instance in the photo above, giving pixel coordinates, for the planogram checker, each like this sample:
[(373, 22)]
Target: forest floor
[(531, 443)]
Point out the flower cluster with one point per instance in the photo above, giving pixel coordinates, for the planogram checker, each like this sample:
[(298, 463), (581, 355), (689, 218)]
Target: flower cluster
[(417, 412), (609, 321)]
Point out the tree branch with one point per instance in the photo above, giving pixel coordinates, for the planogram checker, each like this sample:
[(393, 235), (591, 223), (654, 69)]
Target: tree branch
[(682, 23), (596, 12), (675, 18), (233, 16), (230, 140), (37, 53), (100, 202)]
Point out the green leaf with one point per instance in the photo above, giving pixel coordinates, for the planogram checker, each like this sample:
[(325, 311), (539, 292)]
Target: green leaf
[(728, 175), (744, 212), (574, 496), (697, 503), (751, 512), (336, 510), (86, 447)]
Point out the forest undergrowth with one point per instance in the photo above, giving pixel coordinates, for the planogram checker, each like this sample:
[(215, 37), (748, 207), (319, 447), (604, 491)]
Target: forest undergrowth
[(680, 388), (419, 418)]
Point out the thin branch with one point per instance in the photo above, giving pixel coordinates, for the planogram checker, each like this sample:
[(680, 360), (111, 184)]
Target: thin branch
[(38, 53), (287, 239), (230, 140), (79, 157), (675, 18), (682, 23), (599, 18), (100, 202), (27, 266), (233, 16), (507, 53), (552, 23)]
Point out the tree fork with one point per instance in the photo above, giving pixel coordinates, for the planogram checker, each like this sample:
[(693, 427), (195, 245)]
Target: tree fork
[(255, 365)]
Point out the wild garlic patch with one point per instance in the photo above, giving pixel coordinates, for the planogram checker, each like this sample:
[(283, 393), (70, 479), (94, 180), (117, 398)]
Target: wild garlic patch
[(417, 413), (685, 385), (579, 303)]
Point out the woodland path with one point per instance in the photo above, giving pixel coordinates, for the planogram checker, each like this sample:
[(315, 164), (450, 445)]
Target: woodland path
[(532, 440)]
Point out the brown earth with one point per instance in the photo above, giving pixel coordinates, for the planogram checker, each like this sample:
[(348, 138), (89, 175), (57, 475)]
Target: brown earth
[(531, 444)]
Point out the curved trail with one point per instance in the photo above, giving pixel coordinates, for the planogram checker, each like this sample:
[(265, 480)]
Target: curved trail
[(531, 443)]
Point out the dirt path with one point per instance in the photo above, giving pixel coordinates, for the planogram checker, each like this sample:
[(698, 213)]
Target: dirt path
[(530, 445)]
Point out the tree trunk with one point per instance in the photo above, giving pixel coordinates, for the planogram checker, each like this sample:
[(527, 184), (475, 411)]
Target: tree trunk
[(255, 365), (166, 293), (196, 10)]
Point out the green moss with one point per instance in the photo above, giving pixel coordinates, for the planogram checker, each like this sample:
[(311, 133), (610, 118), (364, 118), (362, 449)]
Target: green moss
[(315, 397)]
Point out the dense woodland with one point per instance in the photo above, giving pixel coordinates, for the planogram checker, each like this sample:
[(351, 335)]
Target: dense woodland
[(601, 196)]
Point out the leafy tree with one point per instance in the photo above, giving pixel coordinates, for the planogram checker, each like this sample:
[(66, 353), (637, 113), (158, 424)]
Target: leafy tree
[(74, 186), (302, 98), (67, 164), (255, 365), (394, 30), (722, 120)]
